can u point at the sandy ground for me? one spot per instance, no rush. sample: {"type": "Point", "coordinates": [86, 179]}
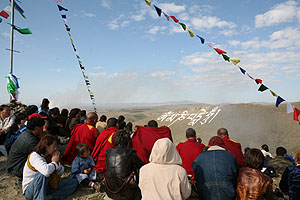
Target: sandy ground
{"type": "Point", "coordinates": [250, 124]}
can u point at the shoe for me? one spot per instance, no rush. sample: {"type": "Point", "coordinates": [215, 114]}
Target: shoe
{"type": "Point", "coordinates": [96, 187]}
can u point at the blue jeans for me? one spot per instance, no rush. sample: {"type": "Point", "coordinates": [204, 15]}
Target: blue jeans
{"type": "Point", "coordinates": [38, 188]}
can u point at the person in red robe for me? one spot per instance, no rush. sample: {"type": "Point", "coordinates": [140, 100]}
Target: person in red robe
{"type": "Point", "coordinates": [81, 133]}
{"type": "Point", "coordinates": [232, 146]}
{"type": "Point", "coordinates": [104, 142]}
{"type": "Point", "coordinates": [144, 138]}
{"type": "Point", "coordinates": [189, 150]}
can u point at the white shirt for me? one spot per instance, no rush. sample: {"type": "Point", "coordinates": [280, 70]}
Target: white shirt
{"type": "Point", "coordinates": [7, 122]}
{"type": "Point", "coordinates": [40, 164]}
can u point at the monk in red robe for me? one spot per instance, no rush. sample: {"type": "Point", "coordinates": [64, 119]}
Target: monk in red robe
{"type": "Point", "coordinates": [104, 142]}
{"type": "Point", "coordinates": [232, 146]}
{"type": "Point", "coordinates": [81, 133]}
{"type": "Point", "coordinates": [144, 138]}
{"type": "Point", "coordinates": [189, 150]}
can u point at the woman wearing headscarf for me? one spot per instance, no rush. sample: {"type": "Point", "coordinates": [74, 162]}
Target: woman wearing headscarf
{"type": "Point", "coordinates": [215, 172]}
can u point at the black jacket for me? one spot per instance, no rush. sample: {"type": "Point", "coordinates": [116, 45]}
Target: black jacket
{"type": "Point", "coordinates": [19, 152]}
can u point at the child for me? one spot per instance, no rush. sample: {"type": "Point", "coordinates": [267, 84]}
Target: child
{"type": "Point", "coordinates": [83, 167]}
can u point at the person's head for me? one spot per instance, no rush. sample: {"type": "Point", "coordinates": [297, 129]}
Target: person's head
{"type": "Point", "coordinates": [199, 140]}
{"type": "Point", "coordinates": [254, 159]}
{"type": "Point", "coordinates": [222, 132]}
{"type": "Point", "coordinates": [103, 118]}
{"type": "Point", "coordinates": [92, 118]}
{"type": "Point", "coordinates": [265, 147]}
{"type": "Point", "coordinates": [5, 111]}
{"type": "Point", "coordinates": [128, 127]}
{"type": "Point", "coordinates": [54, 112]}
{"type": "Point", "coordinates": [45, 104]}
{"type": "Point", "coordinates": [36, 125]}
{"type": "Point", "coordinates": [216, 141]}
{"type": "Point", "coordinates": [122, 138]}
{"type": "Point", "coordinates": [83, 150]}
{"type": "Point", "coordinates": [21, 118]}
{"type": "Point", "coordinates": [190, 133]}
{"type": "Point", "coordinates": [121, 118]}
{"type": "Point", "coordinates": [152, 123]}
{"type": "Point", "coordinates": [74, 112]}
{"type": "Point", "coordinates": [64, 112]}
{"type": "Point", "coordinates": [246, 149]}
{"type": "Point", "coordinates": [297, 156]}
{"type": "Point", "coordinates": [281, 151]}
{"type": "Point", "coordinates": [112, 122]}
{"type": "Point", "coordinates": [82, 113]}
{"type": "Point", "coordinates": [31, 109]}
{"type": "Point", "coordinates": [47, 145]}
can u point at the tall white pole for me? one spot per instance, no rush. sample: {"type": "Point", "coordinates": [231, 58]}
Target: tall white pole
{"type": "Point", "coordinates": [12, 35]}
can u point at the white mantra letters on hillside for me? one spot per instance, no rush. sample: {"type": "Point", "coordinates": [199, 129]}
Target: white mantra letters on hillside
{"type": "Point", "coordinates": [203, 116]}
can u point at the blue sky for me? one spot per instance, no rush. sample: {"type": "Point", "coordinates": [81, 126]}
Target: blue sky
{"type": "Point", "coordinates": [132, 55]}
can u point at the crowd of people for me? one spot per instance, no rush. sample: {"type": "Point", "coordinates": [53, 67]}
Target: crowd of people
{"type": "Point", "coordinates": [140, 162]}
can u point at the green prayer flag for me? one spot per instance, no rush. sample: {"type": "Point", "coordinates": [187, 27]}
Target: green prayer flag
{"type": "Point", "coordinates": [68, 29]}
{"type": "Point", "coordinates": [23, 30]}
{"type": "Point", "coordinates": [262, 88]}
{"type": "Point", "coordinates": [11, 87]}
{"type": "Point", "coordinates": [182, 25]}
{"type": "Point", "coordinates": [226, 58]}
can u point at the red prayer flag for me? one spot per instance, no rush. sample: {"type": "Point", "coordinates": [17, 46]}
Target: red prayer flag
{"type": "Point", "coordinates": [174, 18]}
{"type": "Point", "coordinates": [296, 114]}
{"type": "Point", "coordinates": [258, 81]}
{"type": "Point", "coordinates": [219, 51]}
{"type": "Point", "coordinates": [4, 14]}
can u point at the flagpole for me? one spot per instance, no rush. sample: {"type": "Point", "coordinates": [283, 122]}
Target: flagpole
{"type": "Point", "coordinates": [12, 38]}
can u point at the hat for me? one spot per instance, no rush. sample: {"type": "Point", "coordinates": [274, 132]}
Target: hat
{"type": "Point", "coordinates": [37, 115]}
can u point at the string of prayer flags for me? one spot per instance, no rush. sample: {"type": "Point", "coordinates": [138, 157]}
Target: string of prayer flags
{"type": "Point", "coordinates": [235, 61]}
{"type": "Point", "coordinates": [148, 2]}
{"type": "Point", "coordinates": [86, 78]}
{"type": "Point", "coordinates": [296, 114]}
{"type": "Point", "coordinates": [279, 100]}
{"type": "Point", "coordinates": [210, 44]}
{"type": "Point", "coordinates": [289, 108]}
{"type": "Point", "coordinates": [262, 88]}
{"type": "Point", "coordinates": [174, 18]}
{"type": "Point", "coordinates": [4, 14]}
{"type": "Point", "coordinates": [182, 25]}
{"type": "Point", "coordinates": [201, 39]}
{"type": "Point", "coordinates": [24, 31]}
{"type": "Point", "coordinates": [0, 20]}
{"type": "Point", "coordinates": [226, 58]}
{"type": "Point", "coordinates": [158, 10]}
{"type": "Point", "coordinates": [191, 32]}
{"type": "Point", "coordinates": [219, 51]}
{"type": "Point", "coordinates": [250, 76]}
{"type": "Point", "coordinates": [7, 9]}
{"type": "Point", "coordinates": [273, 93]}
{"type": "Point", "coordinates": [258, 81]}
{"type": "Point", "coordinates": [19, 9]}
{"type": "Point", "coordinates": [166, 15]}
{"type": "Point", "coordinates": [242, 70]}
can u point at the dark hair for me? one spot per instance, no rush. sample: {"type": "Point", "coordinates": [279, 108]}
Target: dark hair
{"type": "Point", "coordinates": [45, 103]}
{"type": "Point", "coordinates": [54, 111]}
{"type": "Point", "coordinates": [35, 122]}
{"type": "Point", "coordinates": [128, 127]}
{"type": "Point", "coordinates": [64, 112]}
{"type": "Point", "coordinates": [280, 151]}
{"type": "Point", "coordinates": [112, 122]}
{"type": "Point", "coordinates": [265, 147]}
{"type": "Point", "coordinates": [31, 109]}
{"type": "Point", "coordinates": [121, 118]}
{"type": "Point", "coordinates": [223, 132]}
{"type": "Point", "coordinates": [74, 112]}
{"type": "Point", "coordinates": [20, 116]}
{"type": "Point", "coordinates": [3, 106]}
{"type": "Point", "coordinates": [254, 159]}
{"type": "Point", "coordinates": [152, 123]}
{"type": "Point", "coordinates": [122, 138]}
{"type": "Point", "coordinates": [45, 141]}
{"type": "Point", "coordinates": [190, 132]}
{"type": "Point", "coordinates": [246, 149]}
{"type": "Point", "coordinates": [81, 148]}
{"type": "Point", "coordinates": [103, 118]}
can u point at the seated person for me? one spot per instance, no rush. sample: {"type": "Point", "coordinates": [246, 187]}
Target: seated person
{"type": "Point", "coordinates": [121, 163]}
{"type": "Point", "coordinates": [41, 164]}
{"type": "Point", "coordinates": [279, 163]}
{"type": "Point", "coordinates": [83, 167]}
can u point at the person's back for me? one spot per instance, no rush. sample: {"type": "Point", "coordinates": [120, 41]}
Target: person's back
{"type": "Point", "coordinates": [215, 170]}
{"type": "Point", "coordinates": [279, 163]}
{"type": "Point", "coordinates": [164, 178]}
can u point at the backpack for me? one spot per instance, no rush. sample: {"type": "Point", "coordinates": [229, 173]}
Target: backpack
{"type": "Point", "coordinates": [13, 138]}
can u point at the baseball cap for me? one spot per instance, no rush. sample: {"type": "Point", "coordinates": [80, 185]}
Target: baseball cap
{"type": "Point", "coordinates": [37, 115]}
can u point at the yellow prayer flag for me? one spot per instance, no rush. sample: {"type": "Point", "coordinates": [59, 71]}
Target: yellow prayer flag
{"type": "Point", "coordinates": [86, 77]}
{"type": "Point", "coordinates": [273, 93]}
{"type": "Point", "coordinates": [71, 40]}
{"type": "Point", "coordinates": [91, 93]}
{"type": "Point", "coordinates": [191, 32]}
{"type": "Point", "coordinates": [235, 60]}
{"type": "Point", "coordinates": [79, 61]}
{"type": "Point", "coordinates": [69, 34]}
{"type": "Point", "coordinates": [148, 2]}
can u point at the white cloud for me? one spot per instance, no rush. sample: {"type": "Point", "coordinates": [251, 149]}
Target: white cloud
{"type": "Point", "coordinates": [123, 75]}
{"type": "Point", "coordinates": [197, 58]}
{"type": "Point", "coordinates": [162, 74]}
{"type": "Point", "coordinates": [284, 12]}
{"type": "Point", "coordinates": [201, 9]}
{"type": "Point", "coordinates": [172, 8]}
{"type": "Point", "coordinates": [58, 70]}
{"type": "Point", "coordinates": [98, 67]}
{"type": "Point", "coordinates": [115, 24]}
{"type": "Point", "coordinates": [153, 30]}
{"type": "Point", "coordinates": [105, 3]}
{"type": "Point", "coordinates": [139, 17]}
{"type": "Point", "coordinates": [90, 14]}
{"type": "Point", "coordinates": [208, 22]}
{"type": "Point", "coordinates": [101, 74]}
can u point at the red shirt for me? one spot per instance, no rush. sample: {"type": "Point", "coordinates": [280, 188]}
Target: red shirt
{"type": "Point", "coordinates": [188, 152]}
{"type": "Point", "coordinates": [236, 149]}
